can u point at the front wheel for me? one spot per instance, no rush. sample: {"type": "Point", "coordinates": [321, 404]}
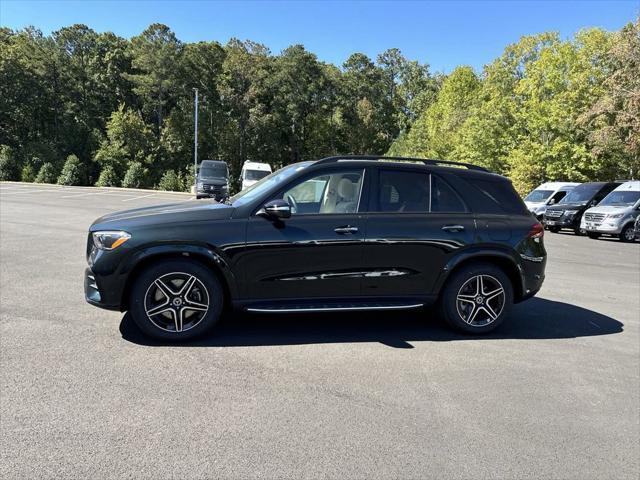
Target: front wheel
{"type": "Point", "coordinates": [176, 300]}
{"type": "Point", "coordinates": [627, 234]}
{"type": "Point", "coordinates": [554, 229]}
{"type": "Point", "coordinates": [477, 298]}
{"type": "Point", "coordinates": [593, 235]}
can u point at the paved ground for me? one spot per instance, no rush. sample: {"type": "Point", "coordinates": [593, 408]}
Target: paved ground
{"type": "Point", "coordinates": [555, 393]}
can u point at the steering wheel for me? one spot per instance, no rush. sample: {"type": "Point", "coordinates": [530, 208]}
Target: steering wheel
{"type": "Point", "coordinates": [292, 202]}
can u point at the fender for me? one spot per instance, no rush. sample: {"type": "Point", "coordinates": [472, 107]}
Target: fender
{"type": "Point", "coordinates": [198, 251]}
{"type": "Point", "coordinates": [482, 252]}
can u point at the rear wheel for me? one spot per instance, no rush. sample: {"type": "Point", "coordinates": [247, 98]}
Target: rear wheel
{"type": "Point", "coordinates": [176, 300]}
{"type": "Point", "coordinates": [627, 234]}
{"type": "Point", "coordinates": [593, 235]}
{"type": "Point", "coordinates": [477, 298]}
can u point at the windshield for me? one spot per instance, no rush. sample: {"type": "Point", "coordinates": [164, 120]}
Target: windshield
{"type": "Point", "coordinates": [268, 183]}
{"type": "Point", "coordinates": [621, 198]}
{"type": "Point", "coordinates": [215, 170]}
{"type": "Point", "coordinates": [582, 193]}
{"type": "Point", "coordinates": [538, 196]}
{"type": "Point", "coordinates": [255, 174]}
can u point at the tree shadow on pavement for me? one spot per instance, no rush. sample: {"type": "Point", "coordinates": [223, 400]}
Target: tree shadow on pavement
{"type": "Point", "coordinates": [536, 318]}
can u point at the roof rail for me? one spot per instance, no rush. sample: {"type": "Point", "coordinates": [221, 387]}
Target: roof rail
{"type": "Point", "coordinates": [426, 161]}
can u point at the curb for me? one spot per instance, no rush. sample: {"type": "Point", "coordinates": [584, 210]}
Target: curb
{"type": "Point", "coordinates": [115, 189]}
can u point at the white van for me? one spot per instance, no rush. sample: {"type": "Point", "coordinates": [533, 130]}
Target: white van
{"type": "Point", "coordinates": [547, 194]}
{"type": "Point", "coordinates": [252, 172]}
{"type": "Point", "coordinates": [615, 214]}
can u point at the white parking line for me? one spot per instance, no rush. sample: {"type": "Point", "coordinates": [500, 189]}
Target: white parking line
{"type": "Point", "coordinates": [137, 198]}
{"type": "Point", "coordinates": [27, 190]}
{"type": "Point", "coordinates": [85, 194]}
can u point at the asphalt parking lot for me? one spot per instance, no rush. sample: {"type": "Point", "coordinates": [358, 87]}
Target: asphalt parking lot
{"type": "Point", "coordinates": [554, 393]}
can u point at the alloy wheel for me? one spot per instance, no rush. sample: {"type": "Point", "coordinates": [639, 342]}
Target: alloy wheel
{"type": "Point", "coordinates": [176, 302]}
{"type": "Point", "coordinates": [480, 300]}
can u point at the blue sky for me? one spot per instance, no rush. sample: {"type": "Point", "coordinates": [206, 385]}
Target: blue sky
{"type": "Point", "coordinates": [443, 34]}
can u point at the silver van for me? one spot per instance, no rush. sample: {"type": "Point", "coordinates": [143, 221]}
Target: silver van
{"type": "Point", "coordinates": [615, 214]}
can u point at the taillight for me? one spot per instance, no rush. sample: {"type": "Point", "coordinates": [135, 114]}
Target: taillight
{"type": "Point", "coordinates": [537, 231]}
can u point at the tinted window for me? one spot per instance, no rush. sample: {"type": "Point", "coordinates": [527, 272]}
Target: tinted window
{"type": "Point", "coordinates": [494, 196]}
{"type": "Point", "coordinates": [213, 170]}
{"type": "Point", "coordinates": [582, 193]}
{"type": "Point", "coordinates": [444, 198]}
{"type": "Point", "coordinates": [400, 191]}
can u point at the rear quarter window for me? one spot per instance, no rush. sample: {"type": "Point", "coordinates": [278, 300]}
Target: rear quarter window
{"type": "Point", "coordinates": [494, 196]}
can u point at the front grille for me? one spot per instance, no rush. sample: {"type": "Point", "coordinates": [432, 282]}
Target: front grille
{"type": "Point", "coordinates": [594, 217]}
{"type": "Point", "coordinates": [553, 213]}
{"type": "Point", "coordinates": [212, 189]}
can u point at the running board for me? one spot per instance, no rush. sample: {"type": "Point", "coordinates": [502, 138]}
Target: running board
{"type": "Point", "coordinates": [333, 307]}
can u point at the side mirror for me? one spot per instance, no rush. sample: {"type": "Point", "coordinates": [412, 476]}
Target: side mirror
{"type": "Point", "coordinates": [277, 209]}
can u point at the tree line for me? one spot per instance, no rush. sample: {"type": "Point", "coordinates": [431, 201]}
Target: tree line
{"type": "Point", "coordinates": [78, 107]}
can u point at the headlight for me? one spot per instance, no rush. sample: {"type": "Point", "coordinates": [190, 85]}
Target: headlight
{"type": "Point", "coordinates": [225, 187]}
{"type": "Point", "coordinates": [570, 212]}
{"type": "Point", "coordinates": [109, 240]}
{"type": "Point", "coordinates": [615, 215]}
{"type": "Point", "coordinates": [199, 185]}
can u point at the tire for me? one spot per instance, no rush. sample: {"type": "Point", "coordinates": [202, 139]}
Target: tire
{"type": "Point", "coordinates": [627, 234]}
{"type": "Point", "coordinates": [554, 229]}
{"type": "Point", "coordinates": [579, 232]}
{"type": "Point", "coordinates": [593, 235]}
{"type": "Point", "coordinates": [470, 314]}
{"type": "Point", "coordinates": [179, 314]}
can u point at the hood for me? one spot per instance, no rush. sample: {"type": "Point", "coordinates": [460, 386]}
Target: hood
{"type": "Point", "coordinates": [172, 213]}
{"type": "Point", "coordinates": [534, 204]}
{"type": "Point", "coordinates": [606, 209]}
{"type": "Point", "coordinates": [567, 206]}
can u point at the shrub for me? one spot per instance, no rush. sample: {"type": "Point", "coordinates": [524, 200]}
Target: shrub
{"type": "Point", "coordinates": [171, 181]}
{"type": "Point", "coordinates": [47, 174]}
{"type": "Point", "coordinates": [72, 172]}
{"type": "Point", "coordinates": [8, 165]}
{"type": "Point", "coordinates": [135, 176]}
{"type": "Point", "coordinates": [28, 173]}
{"type": "Point", "coordinates": [108, 177]}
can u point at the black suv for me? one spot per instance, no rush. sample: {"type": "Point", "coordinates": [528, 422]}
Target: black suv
{"type": "Point", "coordinates": [342, 233]}
{"type": "Point", "coordinates": [568, 212]}
{"type": "Point", "coordinates": [212, 180]}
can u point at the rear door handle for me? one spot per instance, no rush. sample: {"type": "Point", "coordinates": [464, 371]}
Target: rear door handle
{"type": "Point", "coordinates": [346, 230]}
{"type": "Point", "coordinates": [453, 228]}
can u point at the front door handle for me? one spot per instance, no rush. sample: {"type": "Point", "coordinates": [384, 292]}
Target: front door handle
{"type": "Point", "coordinates": [453, 228]}
{"type": "Point", "coordinates": [346, 230]}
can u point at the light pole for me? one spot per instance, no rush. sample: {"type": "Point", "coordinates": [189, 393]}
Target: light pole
{"type": "Point", "coordinates": [195, 144]}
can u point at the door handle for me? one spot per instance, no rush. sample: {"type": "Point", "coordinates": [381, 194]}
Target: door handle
{"type": "Point", "coordinates": [346, 230]}
{"type": "Point", "coordinates": [453, 228]}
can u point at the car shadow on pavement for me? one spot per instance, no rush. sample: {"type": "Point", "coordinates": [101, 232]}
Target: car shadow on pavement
{"type": "Point", "coordinates": [536, 318]}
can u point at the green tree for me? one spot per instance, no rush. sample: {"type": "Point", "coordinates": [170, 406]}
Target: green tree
{"type": "Point", "coordinates": [136, 176]}
{"type": "Point", "coordinates": [47, 174]}
{"type": "Point", "coordinates": [8, 165]}
{"type": "Point", "coordinates": [108, 177]}
{"type": "Point", "coordinates": [435, 132]}
{"type": "Point", "coordinates": [171, 181]}
{"type": "Point", "coordinates": [28, 173]}
{"type": "Point", "coordinates": [155, 55]}
{"type": "Point", "coordinates": [72, 172]}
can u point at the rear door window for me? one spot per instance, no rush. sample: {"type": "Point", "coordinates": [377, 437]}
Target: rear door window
{"type": "Point", "coordinates": [403, 191]}
{"type": "Point", "coordinates": [443, 198]}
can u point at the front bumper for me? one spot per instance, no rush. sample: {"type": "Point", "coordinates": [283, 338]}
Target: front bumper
{"type": "Point", "coordinates": [561, 222]}
{"type": "Point", "coordinates": [94, 295]}
{"type": "Point", "coordinates": [607, 227]}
